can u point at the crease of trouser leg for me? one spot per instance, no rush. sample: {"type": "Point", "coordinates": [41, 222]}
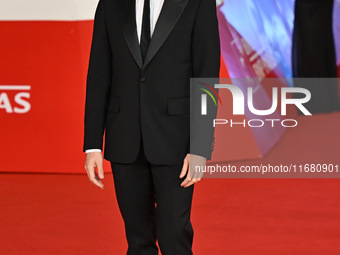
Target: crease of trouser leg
{"type": "Point", "coordinates": [144, 246]}
{"type": "Point", "coordinates": [179, 239]}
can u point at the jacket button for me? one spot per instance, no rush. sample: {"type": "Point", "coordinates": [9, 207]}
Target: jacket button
{"type": "Point", "coordinates": [143, 79]}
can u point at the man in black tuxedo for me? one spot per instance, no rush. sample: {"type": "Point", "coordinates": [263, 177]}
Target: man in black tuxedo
{"type": "Point", "coordinates": [138, 90]}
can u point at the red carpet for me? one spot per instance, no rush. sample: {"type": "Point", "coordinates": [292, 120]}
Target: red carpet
{"type": "Point", "coordinates": [64, 214]}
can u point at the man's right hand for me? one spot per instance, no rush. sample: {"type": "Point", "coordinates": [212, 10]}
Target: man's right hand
{"type": "Point", "coordinates": [95, 160]}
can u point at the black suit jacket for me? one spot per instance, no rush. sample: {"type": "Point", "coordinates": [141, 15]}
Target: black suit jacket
{"type": "Point", "coordinates": [130, 99]}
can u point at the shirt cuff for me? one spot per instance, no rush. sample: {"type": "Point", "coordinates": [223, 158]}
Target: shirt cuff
{"type": "Point", "coordinates": [93, 150]}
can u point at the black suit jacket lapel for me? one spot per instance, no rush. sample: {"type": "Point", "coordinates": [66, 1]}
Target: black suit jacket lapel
{"type": "Point", "coordinates": [127, 16]}
{"type": "Point", "coordinates": [170, 14]}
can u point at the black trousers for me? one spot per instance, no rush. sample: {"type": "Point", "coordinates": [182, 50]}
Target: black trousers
{"type": "Point", "coordinates": [154, 206]}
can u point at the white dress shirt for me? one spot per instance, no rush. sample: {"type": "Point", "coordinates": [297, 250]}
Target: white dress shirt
{"type": "Point", "coordinates": [155, 10]}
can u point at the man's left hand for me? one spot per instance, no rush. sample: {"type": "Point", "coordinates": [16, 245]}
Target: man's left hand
{"type": "Point", "coordinates": [189, 165]}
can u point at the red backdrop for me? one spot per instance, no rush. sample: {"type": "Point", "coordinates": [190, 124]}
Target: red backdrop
{"type": "Point", "coordinates": [51, 57]}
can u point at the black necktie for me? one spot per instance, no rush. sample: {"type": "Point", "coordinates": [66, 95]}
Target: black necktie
{"type": "Point", "coordinates": [146, 34]}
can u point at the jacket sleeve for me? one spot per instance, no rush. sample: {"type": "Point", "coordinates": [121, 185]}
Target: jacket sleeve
{"type": "Point", "coordinates": [206, 42]}
{"type": "Point", "coordinates": [98, 82]}
{"type": "Point", "coordinates": [206, 64]}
